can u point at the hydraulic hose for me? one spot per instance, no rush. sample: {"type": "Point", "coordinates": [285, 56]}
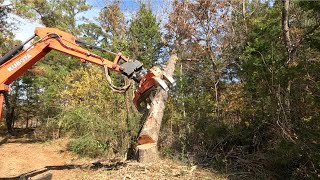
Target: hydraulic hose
{"type": "Point", "coordinates": [14, 51]}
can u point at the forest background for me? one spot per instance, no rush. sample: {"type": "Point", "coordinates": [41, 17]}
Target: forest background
{"type": "Point", "coordinates": [247, 97]}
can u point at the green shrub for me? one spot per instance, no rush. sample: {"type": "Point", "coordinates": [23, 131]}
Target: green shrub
{"type": "Point", "coordinates": [88, 146]}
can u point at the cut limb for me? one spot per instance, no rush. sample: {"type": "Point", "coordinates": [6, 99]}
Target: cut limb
{"type": "Point", "coordinates": [149, 133]}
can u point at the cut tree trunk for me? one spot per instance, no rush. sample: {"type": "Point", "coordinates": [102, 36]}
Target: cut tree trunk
{"type": "Point", "coordinates": [148, 137]}
{"type": "Point", "coordinates": [147, 153]}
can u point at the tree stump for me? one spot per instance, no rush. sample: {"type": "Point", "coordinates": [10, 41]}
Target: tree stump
{"type": "Point", "coordinates": [147, 153]}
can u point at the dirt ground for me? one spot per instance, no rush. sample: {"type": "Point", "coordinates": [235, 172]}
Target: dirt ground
{"type": "Point", "coordinates": [24, 158]}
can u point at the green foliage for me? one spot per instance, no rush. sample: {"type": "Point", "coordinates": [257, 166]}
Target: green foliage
{"type": "Point", "coordinates": [95, 133]}
{"type": "Point", "coordinates": [91, 33]}
{"type": "Point", "coordinates": [88, 146]}
{"type": "Point", "coordinates": [144, 37]}
{"type": "Point", "coordinates": [54, 66]}
{"type": "Point", "coordinates": [58, 14]}
{"type": "Point", "coordinates": [6, 36]}
{"type": "Point", "coordinates": [92, 113]}
{"type": "Point", "coordinates": [266, 122]}
{"type": "Point", "coordinates": [271, 95]}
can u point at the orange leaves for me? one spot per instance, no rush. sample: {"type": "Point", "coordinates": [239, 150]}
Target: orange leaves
{"type": "Point", "coordinates": [232, 98]}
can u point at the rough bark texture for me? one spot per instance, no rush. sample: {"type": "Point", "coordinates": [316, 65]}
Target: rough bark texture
{"type": "Point", "coordinates": [285, 27]}
{"type": "Point", "coordinates": [9, 113]}
{"type": "Point", "coordinates": [150, 130]}
{"type": "Point", "coordinates": [149, 133]}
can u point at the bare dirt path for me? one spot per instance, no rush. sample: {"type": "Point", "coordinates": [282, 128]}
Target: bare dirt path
{"type": "Point", "coordinates": [19, 156]}
{"type": "Point", "coordinates": [23, 157]}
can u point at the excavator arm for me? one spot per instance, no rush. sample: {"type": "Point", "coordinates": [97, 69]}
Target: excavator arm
{"type": "Point", "coordinates": [17, 61]}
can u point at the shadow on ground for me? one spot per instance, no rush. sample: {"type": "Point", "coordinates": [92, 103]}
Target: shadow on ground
{"type": "Point", "coordinates": [17, 132]}
{"type": "Point", "coordinates": [91, 166]}
{"type": "Point", "coordinates": [19, 135]}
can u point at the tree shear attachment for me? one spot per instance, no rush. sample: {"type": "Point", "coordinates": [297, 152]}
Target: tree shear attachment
{"type": "Point", "coordinates": [153, 79]}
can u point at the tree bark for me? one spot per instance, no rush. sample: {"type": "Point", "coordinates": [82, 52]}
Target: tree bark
{"type": "Point", "coordinates": [149, 134]}
{"type": "Point", "coordinates": [244, 14]}
{"type": "Point", "coordinates": [291, 48]}
{"type": "Point", "coordinates": [285, 27]}
{"type": "Point", "coordinates": [11, 104]}
{"type": "Point", "coordinates": [9, 113]}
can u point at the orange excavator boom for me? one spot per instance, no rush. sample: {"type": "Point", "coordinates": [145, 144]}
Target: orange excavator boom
{"type": "Point", "coordinates": [14, 63]}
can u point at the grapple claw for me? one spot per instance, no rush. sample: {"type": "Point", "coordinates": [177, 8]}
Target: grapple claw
{"type": "Point", "coordinates": [161, 83]}
{"type": "Point", "coordinates": [169, 80]}
{"type": "Point", "coordinates": [148, 86]}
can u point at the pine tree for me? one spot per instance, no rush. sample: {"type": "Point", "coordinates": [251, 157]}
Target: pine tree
{"type": "Point", "coordinates": [144, 37]}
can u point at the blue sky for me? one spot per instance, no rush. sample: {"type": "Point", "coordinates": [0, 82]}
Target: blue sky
{"type": "Point", "coordinates": [128, 7]}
